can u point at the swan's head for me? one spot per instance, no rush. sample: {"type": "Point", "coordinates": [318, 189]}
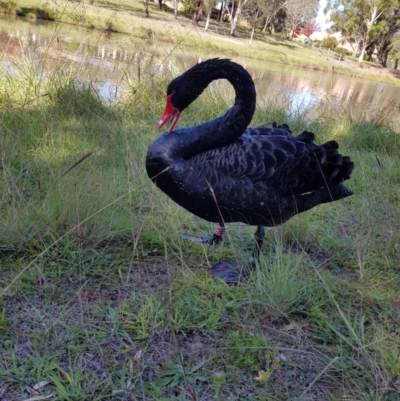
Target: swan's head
{"type": "Point", "coordinates": [181, 92]}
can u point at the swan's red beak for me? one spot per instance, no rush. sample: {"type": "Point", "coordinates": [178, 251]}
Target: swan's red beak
{"type": "Point", "coordinates": [169, 112]}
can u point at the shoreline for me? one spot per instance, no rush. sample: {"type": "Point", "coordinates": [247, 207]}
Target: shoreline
{"type": "Point", "coordinates": [164, 28]}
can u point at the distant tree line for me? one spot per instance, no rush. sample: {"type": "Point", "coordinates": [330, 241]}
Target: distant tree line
{"type": "Point", "coordinates": [285, 16]}
{"type": "Point", "coordinates": [371, 26]}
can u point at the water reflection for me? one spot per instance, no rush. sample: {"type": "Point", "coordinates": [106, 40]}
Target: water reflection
{"type": "Point", "coordinates": [108, 61]}
{"type": "Point", "coordinates": [97, 58]}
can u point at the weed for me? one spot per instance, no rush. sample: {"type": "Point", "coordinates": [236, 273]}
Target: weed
{"type": "Point", "coordinates": [3, 321]}
{"type": "Point", "coordinates": [174, 375]}
{"type": "Point", "coordinates": [246, 348]}
{"type": "Point", "coordinates": [218, 380]}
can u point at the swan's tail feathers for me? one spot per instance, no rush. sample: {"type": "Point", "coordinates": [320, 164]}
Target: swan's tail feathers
{"type": "Point", "coordinates": [306, 136]}
{"type": "Point", "coordinates": [307, 201]}
{"type": "Point", "coordinates": [283, 126]}
{"type": "Point", "coordinates": [339, 192]}
{"type": "Point", "coordinates": [334, 167]}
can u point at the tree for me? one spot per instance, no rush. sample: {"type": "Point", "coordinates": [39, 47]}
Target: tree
{"type": "Point", "coordinates": [362, 21]}
{"type": "Point", "coordinates": [270, 10]}
{"type": "Point", "coordinates": [254, 10]}
{"type": "Point", "coordinates": [383, 39]}
{"type": "Point", "coordinates": [234, 14]}
{"type": "Point", "coordinates": [208, 8]}
{"type": "Point", "coordinates": [198, 11]}
{"type": "Point", "coordinates": [176, 4]}
{"type": "Point", "coordinates": [146, 7]}
{"type": "Point", "coordinates": [310, 27]}
{"type": "Point", "coordinates": [394, 51]}
{"type": "Point", "coordinates": [298, 13]}
{"type": "Point", "coordinates": [262, 10]}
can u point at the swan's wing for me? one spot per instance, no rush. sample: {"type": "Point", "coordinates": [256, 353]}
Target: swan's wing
{"type": "Point", "coordinates": [283, 129]}
{"type": "Point", "coordinates": [274, 130]}
{"type": "Point", "coordinates": [280, 163]}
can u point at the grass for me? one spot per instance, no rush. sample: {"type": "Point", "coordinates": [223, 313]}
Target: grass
{"type": "Point", "coordinates": [100, 298]}
{"type": "Point", "coordinates": [127, 16]}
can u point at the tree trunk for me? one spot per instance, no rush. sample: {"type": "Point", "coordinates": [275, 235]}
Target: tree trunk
{"type": "Point", "coordinates": [253, 26]}
{"type": "Point", "coordinates": [238, 12]}
{"type": "Point", "coordinates": [383, 60]}
{"type": "Point", "coordinates": [293, 26]}
{"type": "Point", "coordinates": [146, 7]}
{"type": "Point", "coordinates": [160, 4]}
{"type": "Point", "coordinates": [265, 25]}
{"type": "Point", "coordinates": [221, 11]}
{"type": "Point", "coordinates": [234, 22]}
{"type": "Point", "coordinates": [374, 17]}
{"type": "Point", "coordinates": [361, 57]}
{"type": "Point", "coordinates": [198, 11]}
{"type": "Point", "coordinates": [396, 63]}
{"type": "Point", "coordinates": [383, 52]}
{"type": "Point", "coordinates": [291, 33]}
{"type": "Point", "coordinates": [358, 48]}
{"type": "Point", "coordinates": [176, 3]}
{"type": "Point", "coordinates": [208, 19]}
{"type": "Point", "coordinates": [251, 35]}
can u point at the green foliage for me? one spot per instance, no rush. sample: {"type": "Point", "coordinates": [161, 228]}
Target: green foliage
{"type": "Point", "coordinates": [201, 304]}
{"type": "Point", "coordinates": [141, 317]}
{"type": "Point", "coordinates": [282, 283]}
{"type": "Point", "coordinates": [394, 52]}
{"type": "Point", "coordinates": [77, 99]}
{"type": "Point", "coordinates": [246, 349]}
{"type": "Point", "coordinates": [174, 375]}
{"type": "Point", "coordinates": [342, 51]}
{"type": "Point", "coordinates": [3, 320]}
{"type": "Point", "coordinates": [45, 12]}
{"type": "Point", "coordinates": [330, 42]}
{"type": "Point", "coordinates": [188, 7]}
{"type": "Point", "coordinates": [9, 7]}
{"type": "Point", "coordinates": [365, 22]}
{"type": "Point", "coordinates": [376, 136]}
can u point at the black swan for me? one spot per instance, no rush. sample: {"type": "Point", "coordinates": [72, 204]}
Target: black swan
{"type": "Point", "coordinates": [224, 172]}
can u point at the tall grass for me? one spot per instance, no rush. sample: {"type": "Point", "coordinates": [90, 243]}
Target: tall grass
{"type": "Point", "coordinates": [100, 298]}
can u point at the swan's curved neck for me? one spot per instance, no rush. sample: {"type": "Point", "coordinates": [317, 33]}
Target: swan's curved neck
{"type": "Point", "coordinates": [229, 127]}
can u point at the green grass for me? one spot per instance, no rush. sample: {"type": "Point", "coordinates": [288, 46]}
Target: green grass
{"type": "Point", "coordinates": [100, 298]}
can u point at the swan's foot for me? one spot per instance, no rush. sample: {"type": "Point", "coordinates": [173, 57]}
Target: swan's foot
{"type": "Point", "coordinates": [215, 240]}
{"type": "Point", "coordinates": [232, 273]}
{"type": "Point", "coordinates": [229, 272]}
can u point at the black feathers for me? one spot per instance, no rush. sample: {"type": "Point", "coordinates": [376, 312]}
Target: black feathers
{"type": "Point", "coordinates": [259, 176]}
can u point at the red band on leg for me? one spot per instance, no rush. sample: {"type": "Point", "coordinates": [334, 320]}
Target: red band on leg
{"type": "Point", "coordinates": [219, 230]}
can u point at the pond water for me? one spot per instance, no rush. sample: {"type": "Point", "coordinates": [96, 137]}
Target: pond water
{"type": "Point", "coordinates": [110, 60]}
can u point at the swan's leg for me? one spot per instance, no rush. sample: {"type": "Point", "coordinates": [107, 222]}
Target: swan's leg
{"type": "Point", "coordinates": [232, 273]}
{"type": "Point", "coordinates": [259, 239]}
{"type": "Point", "coordinates": [215, 239]}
